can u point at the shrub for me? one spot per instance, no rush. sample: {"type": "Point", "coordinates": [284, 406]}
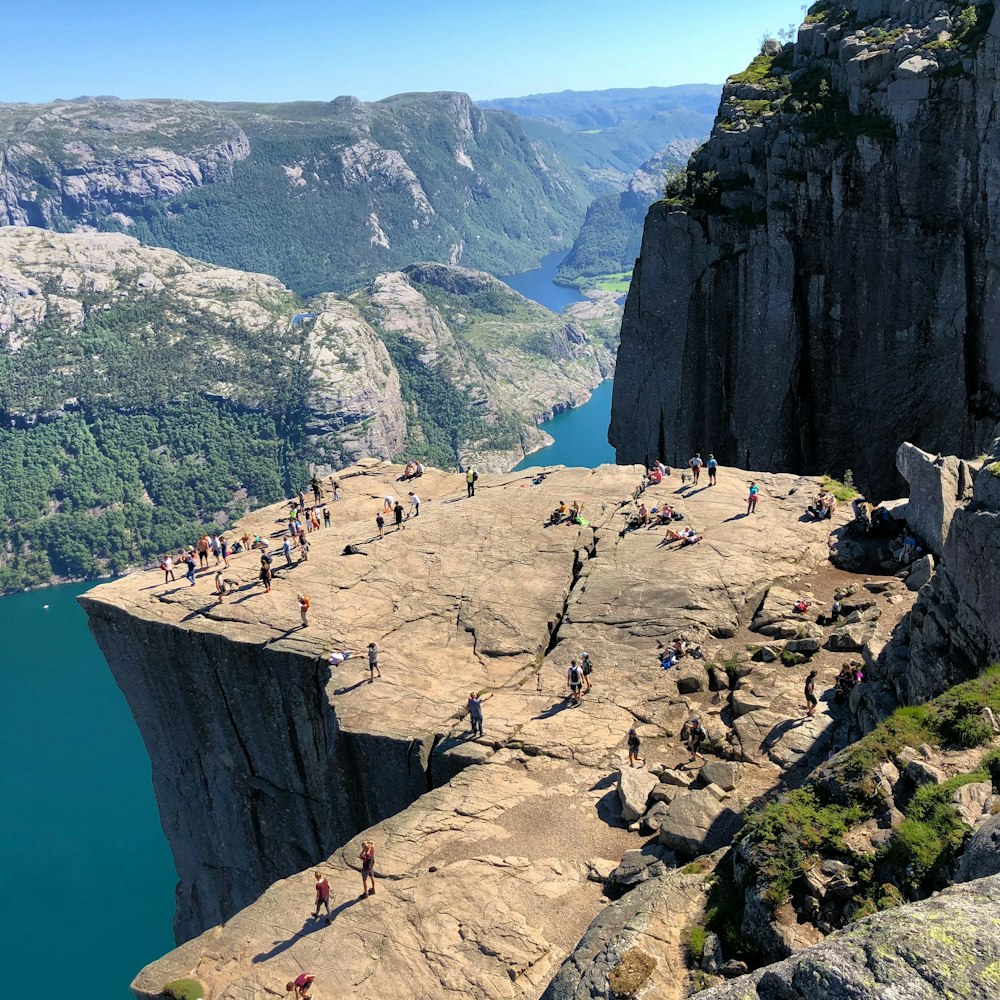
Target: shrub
{"type": "Point", "coordinates": [184, 989]}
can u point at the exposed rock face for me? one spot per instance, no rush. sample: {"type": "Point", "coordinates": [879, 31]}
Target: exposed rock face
{"type": "Point", "coordinates": [953, 629]}
{"type": "Point", "coordinates": [946, 946]}
{"type": "Point", "coordinates": [982, 853]}
{"type": "Point", "coordinates": [473, 594]}
{"type": "Point", "coordinates": [837, 240]}
{"type": "Point", "coordinates": [70, 163]}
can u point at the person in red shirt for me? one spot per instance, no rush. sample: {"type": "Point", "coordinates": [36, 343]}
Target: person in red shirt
{"type": "Point", "coordinates": [301, 985]}
{"type": "Point", "coordinates": [322, 896]}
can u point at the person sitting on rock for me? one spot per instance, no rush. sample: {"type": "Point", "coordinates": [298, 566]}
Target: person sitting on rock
{"type": "Point", "coordinates": [668, 660]}
{"type": "Point", "coordinates": [801, 606]}
{"type": "Point", "coordinates": [844, 683]}
{"type": "Point", "coordinates": [559, 514]}
{"type": "Point", "coordinates": [408, 471]}
{"type": "Point", "coordinates": [829, 505]}
{"type": "Point", "coordinates": [654, 477]}
{"type": "Point", "coordinates": [643, 514]}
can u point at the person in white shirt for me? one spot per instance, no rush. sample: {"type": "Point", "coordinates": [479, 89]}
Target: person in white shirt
{"type": "Point", "coordinates": [414, 505]}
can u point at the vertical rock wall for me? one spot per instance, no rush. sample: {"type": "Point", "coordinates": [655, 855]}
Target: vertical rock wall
{"type": "Point", "coordinates": [827, 285]}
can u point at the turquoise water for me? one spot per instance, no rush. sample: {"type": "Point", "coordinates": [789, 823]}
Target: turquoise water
{"type": "Point", "coordinates": [581, 435]}
{"type": "Point", "coordinates": [537, 284]}
{"type": "Point", "coordinates": [86, 877]}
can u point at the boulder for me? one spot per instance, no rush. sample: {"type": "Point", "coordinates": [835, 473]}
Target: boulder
{"type": "Point", "coordinates": [767, 654]}
{"type": "Point", "coordinates": [970, 800]}
{"type": "Point", "coordinates": [690, 675]}
{"type": "Point", "coordinates": [639, 866]}
{"type": "Point", "coordinates": [920, 572]}
{"type": "Point", "coordinates": [664, 793]}
{"type": "Point", "coordinates": [698, 823]}
{"type": "Point", "coordinates": [677, 777]}
{"type": "Point", "coordinates": [891, 954]}
{"type": "Point", "coordinates": [776, 606]}
{"type": "Point", "coordinates": [982, 853]}
{"type": "Point", "coordinates": [915, 66]}
{"type": "Point", "coordinates": [938, 487]}
{"type": "Point", "coordinates": [804, 646]}
{"type": "Point", "coordinates": [634, 786]}
{"type": "Point", "coordinates": [920, 772]}
{"type": "Point", "coordinates": [653, 817]}
{"type": "Point", "coordinates": [849, 638]}
{"type": "Point", "coordinates": [724, 773]}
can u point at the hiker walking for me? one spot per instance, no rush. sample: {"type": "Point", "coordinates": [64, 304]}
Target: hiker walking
{"type": "Point", "coordinates": [633, 748]}
{"type": "Point", "coordinates": [191, 568]}
{"type": "Point", "coordinates": [588, 668]}
{"type": "Point", "coordinates": [373, 670]}
{"type": "Point", "coordinates": [266, 573]}
{"type": "Point", "coordinates": [696, 464]}
{"type": "Point", "coordinates": [470, 481]}
{"type": "Point", "coordinates": [367, 857]}
{"type": "Point", "coordinates": [810, 693]}
{"type": "Point", "coordinates": [574, 679]}
{"type": "Point", "coordinates": [694, 735]}
{"type": "Point", "coordinates": [322, 897]}
{"type": "Point", "coordinates": [397, 512]}
{"type": "Point", "coordinates": [167, 565]}
{"type": "Point", "coordinates": [380, 524]}
{"type": "Point", "coordinates": [475, 707]}
{"type": "Point", "coordinates": [286, 548]}
{"type": "Point", "coordinates": [713, 467]}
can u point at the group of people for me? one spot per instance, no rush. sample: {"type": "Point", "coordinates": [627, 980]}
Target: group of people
{"type": "Point", "coordinates": [339, 656]}
{"type": "Point", "coordinates": [573, 514]}
{"type": "Point", "coordinates": [823, 506]}
{"type": "Point", "coordinates": [394, 507]}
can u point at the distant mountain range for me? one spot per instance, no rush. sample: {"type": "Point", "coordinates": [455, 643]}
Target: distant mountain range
{"type": "Point", "coordinates": [325, 195]}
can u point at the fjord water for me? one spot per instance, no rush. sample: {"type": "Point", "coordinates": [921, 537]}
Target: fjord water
{"type": "Point", "coordinates": [537, 284]}
{"type": "Point", "coordinates": [86, 877]}
{"type": "Point", "coordinates": [581, 434]}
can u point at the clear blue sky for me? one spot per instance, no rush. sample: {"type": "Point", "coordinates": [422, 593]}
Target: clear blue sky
{"type": "Point", "coordinates": [280, 50]}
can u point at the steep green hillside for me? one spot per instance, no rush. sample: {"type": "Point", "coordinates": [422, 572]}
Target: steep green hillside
{"type": "Point", "coordinates": [144, 395]}
{"type": "Point", "coordinates": [610, 238]}
{"type": "Point", "coordinates": [323, 195]}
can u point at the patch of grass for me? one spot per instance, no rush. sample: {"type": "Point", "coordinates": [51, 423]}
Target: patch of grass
{"type": "Point", "coordinates": [618, 283]}
{"type": "Point", "coordinates": [695, 938]}
{"type": "Point", "coordinates": [631, 973]}
{"type": "Point", "coordinates": [844, 492]}
{"type": "Point", "coordinates": [184, 989]}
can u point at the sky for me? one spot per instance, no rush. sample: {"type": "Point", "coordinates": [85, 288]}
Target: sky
{"type": "Point", "coordinates": [282, 50]}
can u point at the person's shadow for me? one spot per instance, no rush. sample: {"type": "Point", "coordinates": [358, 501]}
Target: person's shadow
{"type": "Point", "coordinates": [311, 925]}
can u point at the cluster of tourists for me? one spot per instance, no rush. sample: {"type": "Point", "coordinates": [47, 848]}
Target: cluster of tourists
{"type": "Point", "coordinates": [573, 514]}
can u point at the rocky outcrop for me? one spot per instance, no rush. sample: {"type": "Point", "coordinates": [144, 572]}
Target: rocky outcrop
{"type": "Point", "coordinates": [946, 946]}
{"type": "Point", "coordinates": [536, 825]}
{"type": "Point", "coordinates": [836, 240]}
{"type": "Point", "coordinates": [72, 163]}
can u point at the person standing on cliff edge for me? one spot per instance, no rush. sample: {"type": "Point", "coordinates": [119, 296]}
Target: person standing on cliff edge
{"type": "Point", "coordinates": [470, 481]}
{"type": "Point", "coordinates": [322, 897]}
{"type": "Point", "coordinates": [475, 707]}
{"type": "Point", "coordinates": [367, 857]}
{"type": "Point", "coordinates": [713, 467]}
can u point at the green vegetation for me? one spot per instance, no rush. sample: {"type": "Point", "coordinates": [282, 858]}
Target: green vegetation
{"type": "Point", "coordinates": [792, 831]}
{"type": "Point", "coordinates": [618, 283]}
{"type": "Point", "coordinates": [184, 989]}
{"type": "Point", "coordinates": [843, 491]}
{"type": "Point", "coordinates": [695, 938]}
{"type": "Point", "coordinates": [765, 71]}
{"type": "Point", "coordinates": [809, 823]}
{"type": "Point", "coordinates": [141, 460]}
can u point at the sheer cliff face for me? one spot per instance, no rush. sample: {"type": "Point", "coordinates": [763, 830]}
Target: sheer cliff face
{"type": "Point", "coordinates": [825, 287]}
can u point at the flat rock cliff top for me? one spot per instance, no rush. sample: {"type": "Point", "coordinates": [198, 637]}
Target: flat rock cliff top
{"type": "Point", "coordinates": [486, 881]}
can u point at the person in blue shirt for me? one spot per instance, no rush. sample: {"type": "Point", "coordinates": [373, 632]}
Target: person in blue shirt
{"type": "Point", "coordinates": [713, 467]}
{"type": "Point", "coordinates": [752, 498]}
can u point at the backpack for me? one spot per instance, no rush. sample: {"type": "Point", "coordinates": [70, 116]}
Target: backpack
{"type": "Point", "coordinates": [587, 666]}
{"type": "Point", "coordinates": [305, 603]}
{"type": "Point", "coordinates": [475, 476]}
{"type": "Point", "coordinates": [574, 675]}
